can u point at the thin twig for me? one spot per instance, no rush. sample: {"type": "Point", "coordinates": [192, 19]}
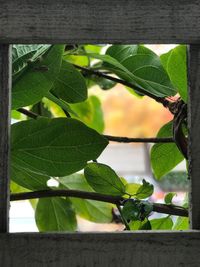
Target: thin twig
{"type": "Point", "coordinates": [117, 200]}
{"type": "Point", "coordinates": [170, 209]}
{"type": "Point", "coordinates": [122, 217]}
{"type": "Point", "coordinates": [161, 100]}
{"type": "Point", "coordinates": [66, 193]}
{"type": "Point", "coordinates": [28, 113]}
{"type": "Point", "coordinates": [119, 139]}
{"type": "Point", "coordinates": [179, 137]}
{"type": "Point", "coordinates": [139, 140]}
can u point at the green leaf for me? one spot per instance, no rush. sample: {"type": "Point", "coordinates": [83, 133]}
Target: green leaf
{"type": "Point", "coordinates": [80, 60]}
{"type": "Point", "coordinates": [41, 109]}
{"type": "Point", "coordinates": [37, 79]}
{"type": "Point", "coordinates": [131, 210]}
{"type": "Point", "coordinates": [142, 68]}
{"type": "Point", "coordinates": [175, 64]}
{"type": "Point", "coordinates": [145, 190]}
{"type": "Point", "coordinates": [103, 83]}
{"type": "Point", "coordinates": [122, 52]}
{"type": "Point", "coordinates": [132, 188]}
{"type": "Point", "coordinates": [75, 181]}
{"type": "Point", "coordinates": [93, 48]}
{"type": "Point", "coordinates": [103, 179]}
{"type": "Point", "coordinates": [54, 147]}
{"type": "Point", "coordinates": [55, 214]}
{"type": "Point", "coordinates": [61, 103]}
{"type": "Point", "coordinates": [181, 223]}
{"type": "Point", "coordinates": [164, 157]}
{"type": "Point", "coordinates": [165, 223]}
{"type": "Point", "coordinates": [27, 179]}
{"type": "Point", "coordinates": [17, 115]}
{"type": "Point", "coordinates": [97, 121]}
{"type": "Point", "coordinates": [169, 197]}
{"type": "Point", "coordinates": [95, 211]}
{"type": "Point", "coordinates": [90, 112]}
{"type": "Point", "coordinates": [22, 54]}
{"type": "Point", "coordinates": [140, 225]}
{"type": "Point", "coordinates": [15, 188]}
{"type": "Point", "coordinates": [135, 210]}
{"type": "Point", "coordinates": [70, 84]}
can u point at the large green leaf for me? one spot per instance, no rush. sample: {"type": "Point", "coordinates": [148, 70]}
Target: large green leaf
{"type": "Point", "coordinates": [165, 223]}
{"type": "Point", "coordinates": [55, 214]}
{"type": "Point", "coordinates": [143, 69]}
{"type": "Point", "coordinates": [175, 64]}
{"type": "Point", "coordinates": [70, 84]}
{"type": "Point", "coordinates": [96, 211]}
{"type": "Point", "coordinates": [37, 79]}
{"type": "Point", "coordinates": [164, 157]}
{"type": "Point", "coordinates": [28, 179]}
{"type": "Point", "coordinates": [15, 188]}
{"type": "Point", "coordinates": [54, 147]}
{"type": "Point", "coordinates": [90, 112]}
{"type": "Point", "coordinates": [145, 65]}
{"type": "Point", "coordinates": [122, 52]}
{"type": "Point", "coordinates": [103, 179]}
{"type": "Point", "coordinates": [22, 54]}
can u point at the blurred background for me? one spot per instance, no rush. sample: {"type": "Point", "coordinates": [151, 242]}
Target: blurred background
{"type": "Point", "coordinates": [124, 115]}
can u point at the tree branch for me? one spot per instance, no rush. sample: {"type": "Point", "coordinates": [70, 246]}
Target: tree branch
{"type": "Point", "coordinates": [161, 100]}
{"type": "Point", "coordinates": [179, 137]}
{"type": "Point", "coordinates": [139, 140]}
{"type": "Point", "coordinates": [28, 113]}
{"type": "Point", "coordinates": [117, 200]}
{"type": "Point", "coordinates": [119, 139]}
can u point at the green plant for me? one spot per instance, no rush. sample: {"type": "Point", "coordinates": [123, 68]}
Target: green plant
{"type": "Point", "coordinates": [60, 132]}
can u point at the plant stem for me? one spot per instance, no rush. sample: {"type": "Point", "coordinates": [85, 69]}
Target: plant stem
{"type": "Point", "coordinates": [122, 217]}
{"type": "Point", "coordinates": [117, 200]}
{"type": "Point", "coordinates": [139, 140]}
{"type": "Point", "coordinates": [161, 100]}
{"type": "Point", "coordinates": [28, 113]}
{"type": "Point", "coordinates": [119, 139]}
{"type": "Point", "coordinates": [65, 107]}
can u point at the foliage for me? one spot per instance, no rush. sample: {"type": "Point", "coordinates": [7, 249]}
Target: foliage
{"type": "Point", "coordinates": [63, 131]}
{"type": "Point", "coordinates": [164, 157]}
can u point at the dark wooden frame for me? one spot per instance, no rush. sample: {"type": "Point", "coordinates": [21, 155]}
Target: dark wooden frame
{"type": "Point", "coordinates": [111, 21]}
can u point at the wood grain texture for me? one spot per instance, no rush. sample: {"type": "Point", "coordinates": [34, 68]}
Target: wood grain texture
{"type": "Point", "coordinates": [5, 88]}
{"type": "Point", "coordinates": [142, 249]}
{"type": "Point", "coordinates": [194, 134]}
{"type": "Point", "coordinates": [105, 21]}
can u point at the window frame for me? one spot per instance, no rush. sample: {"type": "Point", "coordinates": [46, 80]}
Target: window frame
{"type": "Point", "coordinates": [105, 21]}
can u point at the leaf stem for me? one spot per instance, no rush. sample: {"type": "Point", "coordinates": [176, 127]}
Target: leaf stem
{"type": "Point", "coordinates": [66, 108]}
{"type": "Point", "coordinates": [122, 217]}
